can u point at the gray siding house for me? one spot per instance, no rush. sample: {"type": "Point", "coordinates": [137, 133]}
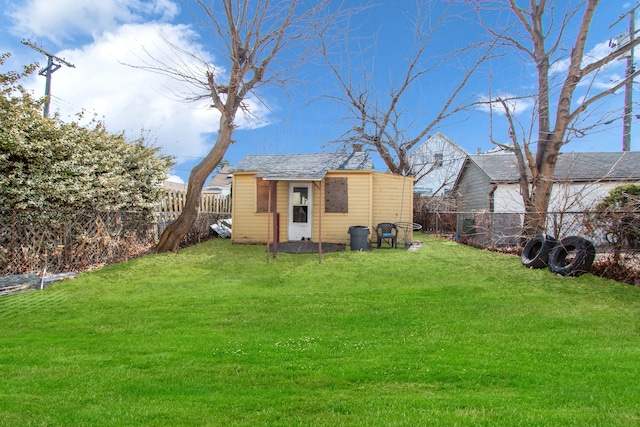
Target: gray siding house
{"type": "Point", "coordinates": [490, 204]}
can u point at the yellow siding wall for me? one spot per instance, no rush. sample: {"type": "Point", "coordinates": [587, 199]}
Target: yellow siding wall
{"type": "Point", "coordinates": [283, 210]}
{"type": "Point", "coordinates": [392, 200]}
{"type": "Point", "coordinates": [373, 198]}
{"type": "Point", "coordinates": [248, 226]}
{"type": "Point", "coordinates": [335, 226]}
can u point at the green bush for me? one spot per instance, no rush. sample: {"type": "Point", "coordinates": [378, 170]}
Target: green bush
{"type": "Point", "coordinates": [617, 217]}
{"type": "Point", "coordinates": [49, 165]}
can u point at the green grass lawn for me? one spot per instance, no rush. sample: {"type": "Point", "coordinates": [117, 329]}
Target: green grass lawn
{"type": "Point", "coordinates": [446, 335]}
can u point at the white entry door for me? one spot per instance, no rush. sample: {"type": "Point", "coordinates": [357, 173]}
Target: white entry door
{"type": "Point", "coordinates": [300, 210]}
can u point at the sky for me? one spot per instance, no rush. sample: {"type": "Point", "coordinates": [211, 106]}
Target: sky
{"type": "Point", "coordinates": [102, 39]}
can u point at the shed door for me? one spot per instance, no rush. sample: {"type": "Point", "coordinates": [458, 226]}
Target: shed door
{"type": "Point", "coordinates": [300, 210]}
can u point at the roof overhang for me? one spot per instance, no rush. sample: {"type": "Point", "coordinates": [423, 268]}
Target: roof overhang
{"type": "Point", "coordinates": [293, 176]}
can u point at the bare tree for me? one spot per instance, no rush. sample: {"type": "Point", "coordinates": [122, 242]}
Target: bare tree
{"type": "Point", "coordinates": [539, 33]}
{"type": "Point", "coordinates": [383, 121]}
{"type": "Point", "coordinates": [254, 39]}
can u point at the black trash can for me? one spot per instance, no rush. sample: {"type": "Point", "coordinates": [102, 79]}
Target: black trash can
{"type": "Point", "coordinates": [359, 237]}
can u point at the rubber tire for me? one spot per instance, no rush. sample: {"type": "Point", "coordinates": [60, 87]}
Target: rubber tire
{"type": "Point", "coordinates": [583, 253]}
{"type": "Point", "coordinates": [535, 253]}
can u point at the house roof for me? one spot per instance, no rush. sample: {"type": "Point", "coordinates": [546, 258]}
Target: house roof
{"type": "Point", "coordinates": [221, 180]}
{"type": "Point", "coordinates": [307, 167]}
{"type": "Point", "coordinates": [612, 166]}
{"type": "Point", "coordinates": [174, 186]}
{"type": "Point", "coordinates": [438, 140]}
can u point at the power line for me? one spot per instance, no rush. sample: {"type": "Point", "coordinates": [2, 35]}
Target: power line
{"type": "Point", "coordinates": [53, 64]}
{"type": "Point", "coordinates": [628, 90]}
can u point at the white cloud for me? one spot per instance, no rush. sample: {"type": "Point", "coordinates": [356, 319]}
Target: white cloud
{"type": "Point", "coordinates": [602, 79]}
{"type": "Point", "coordinates": [111, 33]}
{"type": "Point", "coordinates": [62, 19]}
{"type": "Point", "coordinates": [560, 66]}
{"type": "Point", "coordinates": [516, 105]}
{"type": "Point", "coordinates": [609, 82]}
{"type": "Point", "coordinates": [598, 52]}
{"type": "Point", "coordinates": [130, 99]}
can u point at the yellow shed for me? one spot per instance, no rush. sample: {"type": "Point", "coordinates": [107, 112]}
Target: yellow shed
{"type": "Point", "coordinates": [314, 197]}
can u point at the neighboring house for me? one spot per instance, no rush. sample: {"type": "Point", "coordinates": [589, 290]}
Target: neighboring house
{"type": "Point", "coordinates": [214, 196]}
{"type": "Point", "coordinates": [174, 186]}
{"type": "Point", "coordinates": [488, 183]}
{"type": "Point", "coordinates": [220, 184]}
{"type": "Point", "coordinates": [436, 164]}
{"type": "Point", "coordinates": [314, 197]}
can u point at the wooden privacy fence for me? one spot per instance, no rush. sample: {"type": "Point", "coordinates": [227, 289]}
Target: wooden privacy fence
{"type": "Point", "coordinates": [212, 208]}
{"type": "Point", "coordinates": [174, 201]}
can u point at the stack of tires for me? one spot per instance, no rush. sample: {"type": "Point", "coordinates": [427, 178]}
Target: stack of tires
{"type": "Point", "coordinates": [571, 256]}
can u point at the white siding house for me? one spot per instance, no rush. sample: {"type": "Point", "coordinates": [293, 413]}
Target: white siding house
{"type": "Point", "coordinates": [436, 164]}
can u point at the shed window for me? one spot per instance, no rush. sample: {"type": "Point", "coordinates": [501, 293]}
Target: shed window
{"type": "Point", "coordinates": [262, 195]}
{"type": "Point", "coordinates": [336, 199]}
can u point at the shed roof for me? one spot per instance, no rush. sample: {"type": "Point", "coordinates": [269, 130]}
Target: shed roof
{"type": "Point", "coordinates": [612, 166]}
{"type": "Point", "coordinates": [308, 167]}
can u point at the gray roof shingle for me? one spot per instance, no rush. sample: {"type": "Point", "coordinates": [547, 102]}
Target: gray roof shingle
{"type": "Point", "coordinates": [221, 179]}
{"type": "Point", "coordinates": [570, 166]}
{"type": "Point", "coordinates": [302, 166]}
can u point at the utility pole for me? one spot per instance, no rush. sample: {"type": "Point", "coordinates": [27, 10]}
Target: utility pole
{"type": "Point", "coordinates": [53, 64]}
{"type": "Point", "coordinates": [628, 89]}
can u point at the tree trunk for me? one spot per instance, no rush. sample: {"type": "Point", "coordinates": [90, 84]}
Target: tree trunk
{"type": "Point", "coordinates": [176, 231]}
{"type": "Point", "coordinates": [536, 213]}
{"type": "Point", "coordinates": [535, 217]}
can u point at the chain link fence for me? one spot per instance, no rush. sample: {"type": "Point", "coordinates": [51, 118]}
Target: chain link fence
{"type": "Point", "coordinates": [440, 216]}
{"type": "Point", "coordinates": [504, 229]}
{"type": "Point", "coordinates": [616, 258]}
